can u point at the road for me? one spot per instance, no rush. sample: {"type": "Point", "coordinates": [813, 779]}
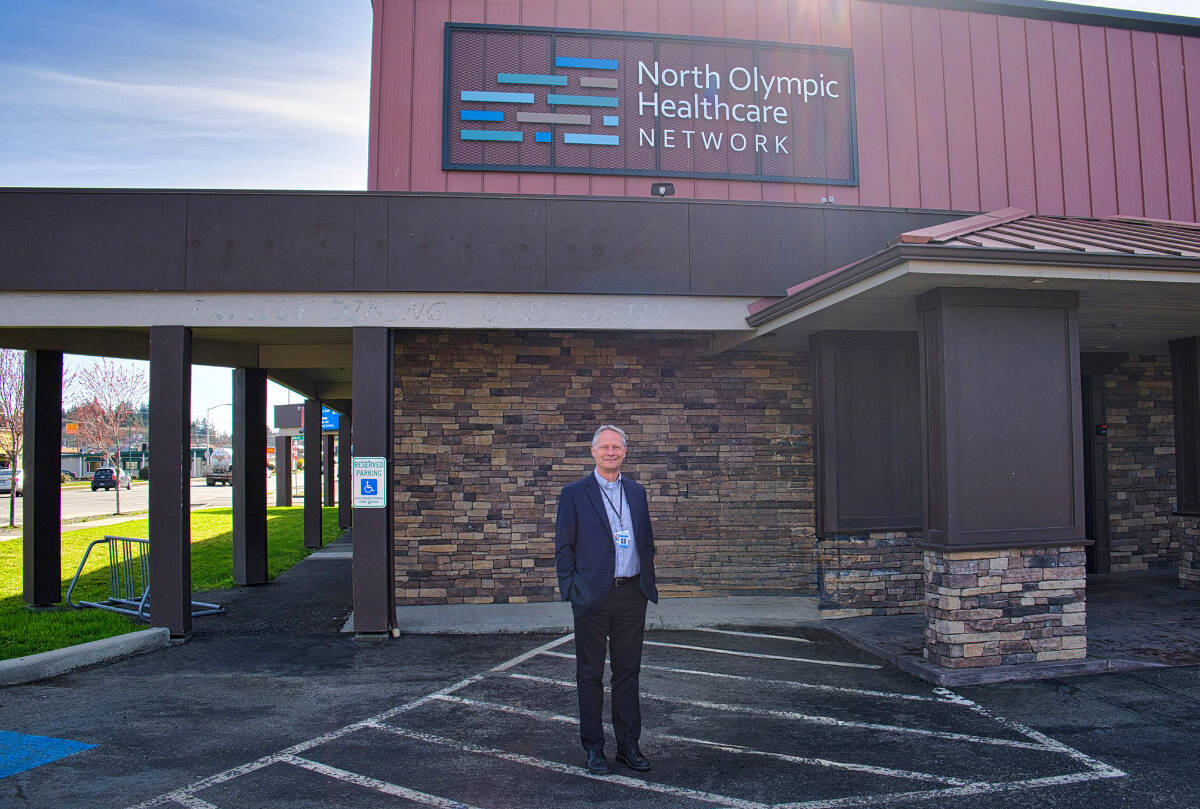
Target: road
{"type": "Point", "coordinates": [81, 502]}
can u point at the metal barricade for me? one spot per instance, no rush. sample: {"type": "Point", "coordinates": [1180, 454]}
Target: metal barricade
{"type": "Point", "coordinates": [128, 579]}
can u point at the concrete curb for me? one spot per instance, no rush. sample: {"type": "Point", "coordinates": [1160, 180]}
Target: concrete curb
{"type": "Point", "coordinates": [49, 664]}
{"type": "Point", "coordinates": [777, 612]}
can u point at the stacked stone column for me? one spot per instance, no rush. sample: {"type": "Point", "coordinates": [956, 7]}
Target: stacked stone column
{"type": "Point", "coordinates": [1185, 531]}
{"type": "Point", "coordinates": [1002, 607]}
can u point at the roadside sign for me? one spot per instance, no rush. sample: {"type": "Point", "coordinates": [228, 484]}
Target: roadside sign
{"type": "Point", "coordinates": [329, 420]}
{"type": "Point", "coordinates": [368, 475]}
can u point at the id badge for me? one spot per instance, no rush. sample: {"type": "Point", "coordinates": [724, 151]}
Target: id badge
{"type": "Point", "coordinates": [622, 537]}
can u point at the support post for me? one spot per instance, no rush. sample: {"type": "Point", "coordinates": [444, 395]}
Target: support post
{"type": "Point", "coordinates": [343, 468]}
{"type": "Point", "coordinates": [249, 476]}
{"type": "Point", "coordinates": [283, 470]}
{"type": "Point", "coordinates": [374, 578]}
{"type": "Point", "coordinates": [41, 509]}
{"type": "Point", "coordinates": [312, 473]}
{"type": "Point", "coordinates": [1003, 477]}
{"type": "Point", "coordinates": [170, 495]}
{"type": "Point", "coordinates": [330, 466]}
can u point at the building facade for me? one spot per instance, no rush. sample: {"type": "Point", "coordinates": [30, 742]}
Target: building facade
{"type": "Point", "coordinates": [897, 301]}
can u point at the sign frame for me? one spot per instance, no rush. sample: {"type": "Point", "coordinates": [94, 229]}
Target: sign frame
{"type": "Point", "coordinates": [364, 470]}
{"type": "Point", "coordinates": [658, 172]}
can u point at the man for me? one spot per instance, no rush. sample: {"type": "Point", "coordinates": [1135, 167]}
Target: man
{"type": "Point", "coordinates": [604, 550]}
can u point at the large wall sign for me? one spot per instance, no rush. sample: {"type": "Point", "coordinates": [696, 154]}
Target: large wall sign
{"type": "Point", "coordinates": [598, 102]}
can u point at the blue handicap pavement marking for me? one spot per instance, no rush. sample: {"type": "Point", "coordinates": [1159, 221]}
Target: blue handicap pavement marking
{"type": "Point", "coordinates": [368, 486]}
{"type": "Point", "coordinates": [20, 751]}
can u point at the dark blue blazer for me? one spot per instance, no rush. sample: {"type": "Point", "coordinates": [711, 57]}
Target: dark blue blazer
{"type": "Point", "coordinates": [583, 542]}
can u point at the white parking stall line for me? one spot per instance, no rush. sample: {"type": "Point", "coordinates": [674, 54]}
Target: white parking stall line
{"type": "Point", "coordinates": [829, 689]}
{"type": "Point", "coordinates": [1047, 742]}
{"type": "Point", "coordinates": [887, 772]}
{"type": "Point", "coordinates": [374, 783]}
{"type": "Point", "coordinates": [817, 719]}
{"type": "Point", "coordinates": [750, 634]}
{"type": "Point", "coordinates": [186, 792]}
{"type": "Point", "coordinates": [762, 656]}
{"type": "Point", "coordinates": [891, 798]}
{"type": "Point", "coordinates": [192, 802]}
{"type": "Point", "coordinates": [572, 769]}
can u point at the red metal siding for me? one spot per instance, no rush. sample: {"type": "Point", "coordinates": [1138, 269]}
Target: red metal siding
{"type": "Point", "coordinates": [989, 112]}
{"type": "Point", "coordinates": [1072, 129]}
{"type": "Point", "coordinates": [960, 111]}
{"type": "Point", "coordinates": [1150, 124]}
{"type": "Point", "coordinates": [1191, 61]}
{"type": "Point", "coordinates": [932, 144]}
{"type": "Point", "coordinates": [1175, 128]}
{"type": "Point", "coordinates": [955, 109]}
{"type": "Point", "coordinates": [1097, 101]}
{"type": "Point", "coordinates": [1043, 102]}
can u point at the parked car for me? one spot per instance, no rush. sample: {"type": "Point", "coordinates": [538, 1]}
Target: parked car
{"type": "Point", "coordinates": [107, 478]}
{"type": "Point", "coordinates": [6, 481]}
{"type": "Point", "coordinates": [67, 474]}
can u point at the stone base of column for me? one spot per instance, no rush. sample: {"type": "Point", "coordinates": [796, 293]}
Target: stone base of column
{"type": "Point", "coordinates": [869, 574]}
{"type": "Point", "coordinates": [1185, 532]}
{"type": "Point", "coordinates": [1005, 607]}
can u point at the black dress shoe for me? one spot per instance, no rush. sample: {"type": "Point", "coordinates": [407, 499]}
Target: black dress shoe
{"type": "Point", "coordinates": [633, 759]}
{"type": "Point", "coordinates": [597, 764]}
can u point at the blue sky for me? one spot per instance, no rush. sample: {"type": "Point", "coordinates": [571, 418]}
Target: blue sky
{"type": "Point", "coordinates": [255, 94]}
{"type": "Point", "coordinates": [186, 94]}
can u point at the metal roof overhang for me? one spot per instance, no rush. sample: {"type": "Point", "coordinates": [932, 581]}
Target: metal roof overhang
{"type": "Point", "coordinates": [1126, 303]}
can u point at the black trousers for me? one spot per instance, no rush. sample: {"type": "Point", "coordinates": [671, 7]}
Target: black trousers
{"type": "Point", "coordinates": [618, 625]}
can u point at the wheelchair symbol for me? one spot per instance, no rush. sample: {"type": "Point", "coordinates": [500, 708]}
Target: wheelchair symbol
{"type": "Point", "coordinates": [368, 487]}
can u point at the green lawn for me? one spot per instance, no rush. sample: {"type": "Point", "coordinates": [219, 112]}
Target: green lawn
{"type": "Point", "coordinates": [24, 631]}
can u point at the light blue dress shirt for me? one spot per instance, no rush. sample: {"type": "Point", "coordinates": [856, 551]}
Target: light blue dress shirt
{"type": "Point", "coordinates": [620, 516]}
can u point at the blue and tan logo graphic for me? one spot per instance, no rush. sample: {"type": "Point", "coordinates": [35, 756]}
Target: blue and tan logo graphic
{"type": "Point", "coordinates": [555, 90]}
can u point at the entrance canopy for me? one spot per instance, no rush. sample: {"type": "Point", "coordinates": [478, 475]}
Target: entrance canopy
{"type": "Point", "coordinates": [1138, 280]}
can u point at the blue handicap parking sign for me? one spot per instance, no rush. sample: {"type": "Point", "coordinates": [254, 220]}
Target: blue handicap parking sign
{"type": "Point", "coordinates": [368, 486]}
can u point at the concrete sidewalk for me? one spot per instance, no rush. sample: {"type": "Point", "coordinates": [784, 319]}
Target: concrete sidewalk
{"type": "Point", "coordinates": [1135, 620]}
{"type": "Point", "coordinates": [670, 613]}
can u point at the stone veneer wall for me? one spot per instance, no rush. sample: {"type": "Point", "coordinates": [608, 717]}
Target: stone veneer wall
{"type": "Point", "coordinates": [1186, 530]}
{"type": "Point", "coordinates": [877, 573]}
{"type": "Point", "coordinates": [996, 607]}
{"type": "Point", "coordinates": [490, 425]}
{"type": "Point", "coordinates": [1141, 464]}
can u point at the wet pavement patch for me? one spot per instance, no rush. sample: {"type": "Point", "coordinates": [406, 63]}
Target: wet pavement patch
{"type": "Point", "coordinates": [20, 751]}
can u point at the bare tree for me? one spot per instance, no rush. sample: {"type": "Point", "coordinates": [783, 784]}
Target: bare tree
{"type": "Point", "coordinates": [12, 418]}
{"type": "Point", "coordinates": [111, 394]}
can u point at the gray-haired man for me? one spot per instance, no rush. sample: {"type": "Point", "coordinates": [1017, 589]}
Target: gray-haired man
{"type": "Point", "coordinates": [604, 550]}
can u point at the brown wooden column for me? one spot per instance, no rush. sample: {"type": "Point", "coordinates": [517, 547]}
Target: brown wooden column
{"type": "Point", "coordinates": [330, 467]}
{"type": "Point", "coordinates": [283, 470]}
{"type": "Point", "coordinates": [41, 508]}
{"type": "Point", "coordinates": [170, 464]}
{"type": "Point", "coordinates": [344, 478]}
{"type": "Point", "coordinates": [374, 578]}
{"type": "Point", "coordinates": [249, 476]}
{"type": "Point", "coordinates": [312, 473]}
{"type": "Point", "coordinates": [1003, 477]}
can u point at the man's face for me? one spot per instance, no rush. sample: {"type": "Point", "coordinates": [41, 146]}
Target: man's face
{"type": "Point", "coordinates": [609, 452]}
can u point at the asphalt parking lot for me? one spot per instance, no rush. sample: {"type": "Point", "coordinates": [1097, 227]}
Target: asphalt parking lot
{"type": "Point", "coordinates": [740, 719]}
{"type": "Point", "coordinates": [270, 705]}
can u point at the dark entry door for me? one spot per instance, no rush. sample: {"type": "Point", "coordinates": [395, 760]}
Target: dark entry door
{"type": "Point", "coordinates": [1095, 473]}
{"type": "Point", "coordinates": [1094, 367]}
